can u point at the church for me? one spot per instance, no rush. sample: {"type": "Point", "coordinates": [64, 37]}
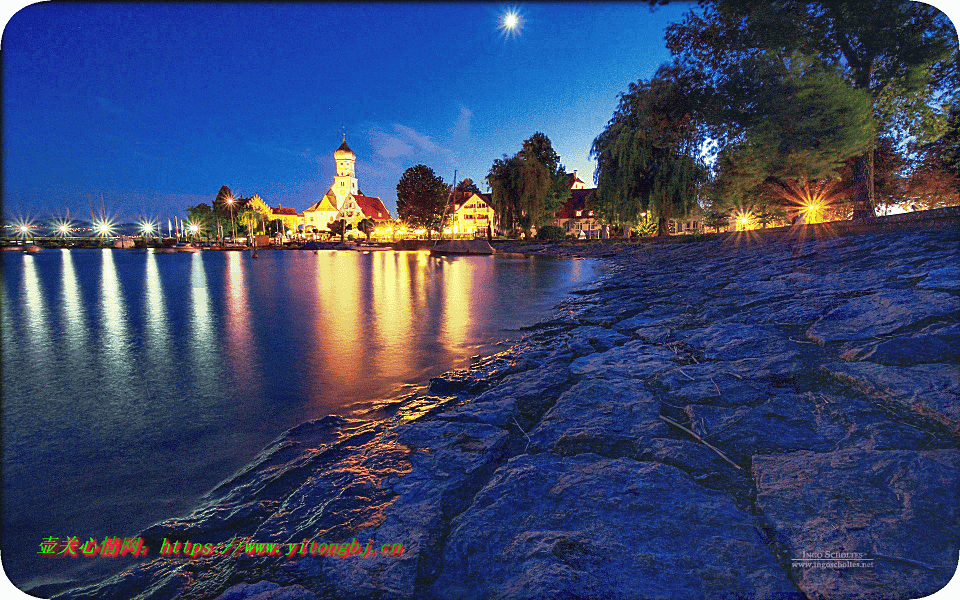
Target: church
{"type": "Point", "coordinates": [343, 200]}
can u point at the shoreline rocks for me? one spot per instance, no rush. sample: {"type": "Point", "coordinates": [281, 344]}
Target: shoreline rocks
{"type": "Point", "coordinates": [692, 425]}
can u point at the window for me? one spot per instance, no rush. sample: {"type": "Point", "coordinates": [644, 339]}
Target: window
{"type": "Point", "coordinates": [579, 213]}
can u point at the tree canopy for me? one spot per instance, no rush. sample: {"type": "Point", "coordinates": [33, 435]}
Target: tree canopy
{"type": "Point", "coordinates": [901, 54]}
{"type": "Point", "coordinates": [422, 198]}
{"type": "Point", "coordinates": [648, 155]}
{"type": "Point", "coordinates": [529, 187]}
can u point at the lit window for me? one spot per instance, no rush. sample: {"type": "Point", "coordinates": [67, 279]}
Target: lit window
{"type": "Point", "coordinates": [579, 213]}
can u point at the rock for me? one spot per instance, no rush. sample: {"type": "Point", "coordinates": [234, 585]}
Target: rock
{"type": "Point", "coordinates": [945, 279]}
{"type": "Point", "coordinates": [266, 590]}
{"type": "Point", "coordinates": [782, 424]}
{"type": "Point", "coordinates": [933, 345]}
{"type": "Point", "coordinates": [732, 341]}
{"type": "Point", "coordinates": [611, 418]}
{"type": "Point", "coordinates": [521, 397]}
{"type": "Point", "coordinates": [590, 527]}
{"type": "Point", "coordinates": [899, 509]}
{"type": "Point", "coordinates": [590, 339]}
{"type": "Point", "coordinates": [448, 463]}
{"type": "Point", "coordinates": [930, 390]}
{"type": "Point", "coordinates": [635, 359]}
{"type": "Point", "coordinates": [881, 313]}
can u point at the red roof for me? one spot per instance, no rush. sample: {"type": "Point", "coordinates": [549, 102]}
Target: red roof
{"type": "Point", "coordinates": [573, 179]}
{"type": "Point", "coordinates": [577, 201]}
{"type": "Point", "coordinates": [283, 211]}
{"type": "Point", "coordinates": [372, 208]}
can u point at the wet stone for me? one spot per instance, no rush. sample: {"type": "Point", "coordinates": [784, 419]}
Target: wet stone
{"type": "Point", "coordinates": [898, 509]}
{"type": "Point", "coordinates": [591, 527]}
{"type": "Point", "coordinates": [930, 390]}
{"type": "Point", "coordinates": [881, 313]}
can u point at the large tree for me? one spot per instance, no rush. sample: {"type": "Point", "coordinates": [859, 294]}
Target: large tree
{"type": "Point", "coordinates": [647, 157]}
{"type": "Point", "coordinates": [467, 186]}
{"type": "Point", "coordinates": [896, 51]}
{"type": "Point", "coordinates": [802, 129]}
{"type": "Point", "coordinates": [422, 198]}
{"type": "Point", "coordinates": [529, 187]}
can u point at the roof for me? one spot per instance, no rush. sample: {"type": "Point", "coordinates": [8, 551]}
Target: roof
{"type": "Point", "coordinates": [372, 208]}
{"type": "Point", "coordinates": [322, 204]}
{"type": "Point", "coordinates": [459, 198]}
{"type": "Point", "coordinates": [577, 201]}
{"type": "Point", "coordinates": [573, 179]}
{"type": "Point", "coordinates": [343, 149]}
{"type": "Point", "coordinates": [283, 211]}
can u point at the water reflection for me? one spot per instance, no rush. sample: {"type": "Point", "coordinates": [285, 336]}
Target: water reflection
{"type": "Point", "coordinates": [202, 343]}
{"type": "Point", "coordinates": [37, 328]}
{"type": "Point", "coordinates": [239, 339]}
{"type": "Point", "coordinates": [156, 326]}
{"type": "Point", "coordinates": [75, 328]}
{"type": "Point", "coordinates": [115, 342]}
{"type": "Point", "coordinates": [457, 291]}
{"type": "Point", "coordinates": [233, 352]}
{"type": "Point", "coordinates": [339, 315]}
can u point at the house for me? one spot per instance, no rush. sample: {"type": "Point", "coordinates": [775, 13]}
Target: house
{"type": "Point", "coordinates": [575, 217]}
{"type": "Point", "coordinates": [469, 214]}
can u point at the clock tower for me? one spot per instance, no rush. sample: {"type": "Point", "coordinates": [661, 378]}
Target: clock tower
{"type": "Point", "coordinates": [345, 182]}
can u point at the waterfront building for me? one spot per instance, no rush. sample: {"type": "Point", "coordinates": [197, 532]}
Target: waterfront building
{"type": "Point", "coordinates": [470, 214]}
{"type": "Point", "coordinates": [343, 200]}
{"type": "Point", "coordinates": [575, 217]}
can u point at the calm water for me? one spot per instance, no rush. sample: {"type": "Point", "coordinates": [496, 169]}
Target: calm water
{"type": "Point", "coordinates": [134, 382]}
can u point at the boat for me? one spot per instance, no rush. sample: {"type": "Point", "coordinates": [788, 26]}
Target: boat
{"type": "Point", "coordinates": [31, 248]}
{"type": "Point", "coordinates": [183, 247]}
{"type": "Point", "coordinates": [124, 243]}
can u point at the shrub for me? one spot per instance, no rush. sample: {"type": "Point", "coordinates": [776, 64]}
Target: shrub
{"type": "Point", "coordinates": [551, 232]}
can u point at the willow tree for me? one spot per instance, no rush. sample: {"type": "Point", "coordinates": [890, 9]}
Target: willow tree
{"type": "Point", "coordinates": [529, 187]}
{"type": "Point", "coordinates": [648, 155]}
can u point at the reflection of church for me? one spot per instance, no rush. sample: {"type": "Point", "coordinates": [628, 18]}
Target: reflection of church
{"type": "Point", "coordinates": [343, 200]}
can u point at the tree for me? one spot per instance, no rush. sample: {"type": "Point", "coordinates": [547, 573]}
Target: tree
{"type": "Point", "coordinates": [802, 130]}
{"type": "Point", "coordinates": [366, 227]}
{"type": "Point", "coordinates": [467, 187]}
{"type": "Point", "coordinates": [338, 227]}
{"type": "Point", "coordinates": [529, 187]}
{"type": "Point", "coordinates": [222, 196]}
{"type": "Point", "coordinates": [895, 51]}
{"type": "Point", "coordinates": [421, 198]}
{"type": "Point", "coordinates": [647, 157]}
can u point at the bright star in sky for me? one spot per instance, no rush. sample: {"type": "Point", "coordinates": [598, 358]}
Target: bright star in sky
{"type": "Point", "coordinates": [511, 23]}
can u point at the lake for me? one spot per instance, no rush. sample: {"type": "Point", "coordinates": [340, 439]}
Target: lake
{"type": "Point", "coordinates": [133, 382]}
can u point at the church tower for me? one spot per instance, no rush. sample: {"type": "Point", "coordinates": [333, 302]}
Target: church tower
{"type": "Point", "coordinates": [345, 182]}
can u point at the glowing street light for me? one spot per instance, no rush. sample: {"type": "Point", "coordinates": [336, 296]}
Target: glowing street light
{"type": "Point", "coordinates": [103, 228]}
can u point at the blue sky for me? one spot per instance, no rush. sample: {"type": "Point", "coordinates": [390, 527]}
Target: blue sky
{"type": "Point", "coordinates": [156, 106]}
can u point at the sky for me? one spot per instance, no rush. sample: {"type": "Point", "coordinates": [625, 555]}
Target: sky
{"type": "Point", "coordinates": [154, 107]}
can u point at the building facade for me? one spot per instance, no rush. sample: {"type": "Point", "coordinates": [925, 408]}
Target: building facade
{"type": "Point", "coordinates": [343, 200]}
{"type": "Point", "coordinates": [470, 214]}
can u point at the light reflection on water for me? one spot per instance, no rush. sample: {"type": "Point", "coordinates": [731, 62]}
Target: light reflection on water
{"type": "Point", "coordinates": [133, 382]}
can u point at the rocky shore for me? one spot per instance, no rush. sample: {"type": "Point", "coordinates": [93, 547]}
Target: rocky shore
{"type": "Point", "coordinates": [695, 424]}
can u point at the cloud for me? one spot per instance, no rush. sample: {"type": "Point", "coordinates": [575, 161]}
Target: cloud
{"type": "Point", "coordinates": [404, 141]}
{"type": "Point", "coordinates": [461, 129]}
